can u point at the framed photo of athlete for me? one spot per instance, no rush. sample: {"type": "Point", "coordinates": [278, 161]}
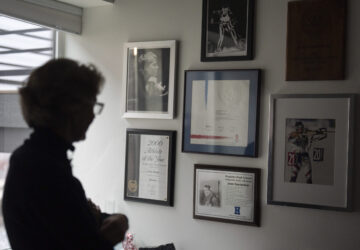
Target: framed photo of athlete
{"type": "Point", "coordinates": [227, 194]}
{"type": "Point", "coordinates": [311, 150]}
{"type": "Point", "coordinates": [221, 112]}
{"type": "Point", "coordinates": [227, 30]}
{"type": "Point", "coordinates": [149, 79]}
{"type": "Point", "coordinates": [150, 166]}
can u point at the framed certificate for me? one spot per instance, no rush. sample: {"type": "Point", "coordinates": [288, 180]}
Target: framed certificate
{"type": "Point", "coordinates": [150, 166]}
{"type": "Point", "coordinates": [221, 112]}
{"type": "Point", "coordinates": [311, 150]}
{"type": "Point", "coordinates": [227, 194]}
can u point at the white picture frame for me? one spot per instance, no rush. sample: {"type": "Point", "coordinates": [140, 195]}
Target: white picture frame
{"type": "Point", "coordinates": [321, 123]}
{"type": "Point", "coordinates": [149, 79]}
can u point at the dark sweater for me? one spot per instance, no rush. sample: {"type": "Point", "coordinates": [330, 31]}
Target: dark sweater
{"type": "Point", "coordinates": [44, 205]}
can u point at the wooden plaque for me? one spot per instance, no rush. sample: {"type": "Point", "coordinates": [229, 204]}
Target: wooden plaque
{"type": "Point", "coordinates": [315, 40]}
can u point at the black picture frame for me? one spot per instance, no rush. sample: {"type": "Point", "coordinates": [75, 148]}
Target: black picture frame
{"type": "Point", "coordinates": [223, 118]}
{"type": "Point", "coordinates": [150, 166]}
{"type": "Point", "coordinates": [227, 30]}
{"type": "Point", "coordinates": [213, 185]}
{"type": "Point", "coordinates": [311, 127]}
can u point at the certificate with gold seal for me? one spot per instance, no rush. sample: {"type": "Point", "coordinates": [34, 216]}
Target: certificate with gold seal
{"type": "Point", "coordinates": [149, 170]}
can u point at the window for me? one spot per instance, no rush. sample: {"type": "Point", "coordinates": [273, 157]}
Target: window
{"type": "Point", "coordinates": [23, 47]}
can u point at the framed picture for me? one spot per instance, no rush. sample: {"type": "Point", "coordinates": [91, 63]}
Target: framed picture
{"type": "Point", "coordinates": [221, 112]}
{"type": "Point", "coordinates": [227, 194]}
{"type": "Point", "coordinates": [149, 79]}
{"type": "Point", "coordinates": [311, 151]}
{"type": "Point", "coordinates": [4, 166]}
{"type": "Point", "coordinates": [311, 40]}
{"type": "Point", "coordinates": [227, 30]}
{"type": "Point", "coordinates": [150, 166]}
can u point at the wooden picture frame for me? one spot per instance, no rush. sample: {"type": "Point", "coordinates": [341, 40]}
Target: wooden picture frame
{"type": "Point", "coordinates": [315, 46]}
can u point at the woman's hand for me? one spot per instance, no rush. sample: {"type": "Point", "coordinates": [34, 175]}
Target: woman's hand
{"type": "Point", "coordinates": [95, 210]}
{"type": "Point", "coordinates": [114, 228]}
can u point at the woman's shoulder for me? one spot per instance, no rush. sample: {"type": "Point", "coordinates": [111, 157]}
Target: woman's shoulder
{"type": "Point", "coordinates": [27, 154]}
{"type": "Point", "coordinates": [29, 163]}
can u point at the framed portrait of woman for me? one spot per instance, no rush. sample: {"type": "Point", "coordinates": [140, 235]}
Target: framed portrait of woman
{"type": "Point", "coordinates": [149, 79]}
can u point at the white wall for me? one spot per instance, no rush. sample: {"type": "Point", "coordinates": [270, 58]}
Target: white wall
{"type": "Point", "coordinates": [99, 162]}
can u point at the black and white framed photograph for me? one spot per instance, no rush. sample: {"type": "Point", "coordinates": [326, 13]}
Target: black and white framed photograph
{"type": "Point", "coordinates": [149, 79]}
{"type": "Point", "coordinates": [311, 150]}
{"type": "Point", "coordinates": [221, 112]}
{"type": "Point", "coordinates": [150, 166]}
{"type": "Point", "coordinates": [227, 30]}
{"type": "Point", "coordinates": [4, 166]}
{"type": "Point", "coordinates": [227, 194]}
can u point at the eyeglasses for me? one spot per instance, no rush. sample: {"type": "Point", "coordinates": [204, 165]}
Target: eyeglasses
{"type": "Point", "coordinates": [98, 108]}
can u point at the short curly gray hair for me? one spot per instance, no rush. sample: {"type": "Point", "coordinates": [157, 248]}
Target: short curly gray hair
{"type": "Point", "coordinates": [55, 89]}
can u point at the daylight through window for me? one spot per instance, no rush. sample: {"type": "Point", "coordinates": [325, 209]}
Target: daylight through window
{"type": "Point", "coordinates": [23, 47]}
